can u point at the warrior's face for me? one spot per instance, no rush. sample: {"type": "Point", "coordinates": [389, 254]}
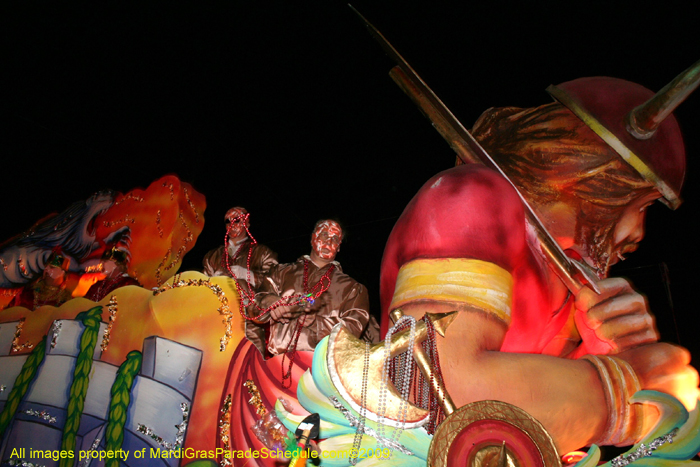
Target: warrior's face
{"type": "Point", "coordinates": [629, 230]}
{"type": "Point", "coordinates": [588, 196]}
{"type": "Point", "coordinates": [326, 240]}
{"type": "Point", "coordinates": [237, 222]}
{"type": "Point", "coordinates": [607, 242]}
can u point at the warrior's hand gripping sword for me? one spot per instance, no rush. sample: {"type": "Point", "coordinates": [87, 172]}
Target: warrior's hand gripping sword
{"type": "Point", "coordinates": [573, 274]}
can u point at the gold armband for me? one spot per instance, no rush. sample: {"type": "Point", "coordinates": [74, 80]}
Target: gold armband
{"type": "Point", "coordinates": [625, 421]}
{"type": "Point", "coordinates": [472, 282]}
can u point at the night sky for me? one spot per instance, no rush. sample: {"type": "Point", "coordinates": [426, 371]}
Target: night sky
{"type": "Point", "coordinates": [286, 108]}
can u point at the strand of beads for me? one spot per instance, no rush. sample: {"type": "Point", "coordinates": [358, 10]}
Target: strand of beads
{"type": "Point", "coordinates": [291, 353]}
{"type": "Point", "coordinates": [420, 392]}
{"type": "Point", "coordinates": [404, 384]}
{"type": "Point", "coordinates": [381, 404]}
{"type": "Point", "coordinates": [367, 430]}
{"type": "Point", "coordinates": [357, 441]}
{"type": "Point", "coordinates": [437, 415]}
{"type": "Point", "coordinates": [309, 295]}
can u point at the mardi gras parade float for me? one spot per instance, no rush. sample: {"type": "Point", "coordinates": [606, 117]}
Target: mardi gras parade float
{"type": "Point", "coordinates": [503, 341]}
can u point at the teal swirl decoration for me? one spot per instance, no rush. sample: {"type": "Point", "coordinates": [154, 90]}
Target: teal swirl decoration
{"type": "Point", "coordinates": [313, 393]}
{"type": "Point", "coordinates": [675, 423]}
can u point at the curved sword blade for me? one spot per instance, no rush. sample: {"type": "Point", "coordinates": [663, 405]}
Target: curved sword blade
{"type": "Point", "coordinates": [574, 276]}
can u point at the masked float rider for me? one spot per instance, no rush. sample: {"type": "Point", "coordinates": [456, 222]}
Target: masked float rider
{"type": "Point", "coordinates": [241, 249]}
{"type": "Point", "coordinates": [463, 244]}
{"type": "Point", "coordinates": [307, 298]}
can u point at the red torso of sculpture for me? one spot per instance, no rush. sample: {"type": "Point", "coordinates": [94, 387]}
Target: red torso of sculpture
{"type": "Point", "coordinates": [472, 212]}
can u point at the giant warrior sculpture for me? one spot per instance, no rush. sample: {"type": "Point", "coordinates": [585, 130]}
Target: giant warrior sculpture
{"type": "Point", "coordinates": [589, 165]}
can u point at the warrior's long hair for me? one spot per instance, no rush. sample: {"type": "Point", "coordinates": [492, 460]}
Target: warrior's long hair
{"type": "Point", "coordinates": [553, 156]}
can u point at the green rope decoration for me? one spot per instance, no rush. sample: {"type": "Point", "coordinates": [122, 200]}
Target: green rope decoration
{"type": "Point", "coordinates": [91, 319]}
{"type": "Point", "coordinates": [121, 396]}
{"type": "Point", "coordinates": [22, 382]}
{"type": "Point", "coordinates": [203, 463]}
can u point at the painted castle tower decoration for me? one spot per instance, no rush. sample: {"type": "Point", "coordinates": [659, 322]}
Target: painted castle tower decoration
{"type": "Point", "coordinates": [61, 397]}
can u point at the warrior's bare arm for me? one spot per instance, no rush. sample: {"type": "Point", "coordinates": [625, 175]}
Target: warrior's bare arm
{"type": "Point", "coordinates": [566, 396]}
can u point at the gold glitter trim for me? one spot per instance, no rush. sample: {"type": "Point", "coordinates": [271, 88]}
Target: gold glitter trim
{"type": "Point", "coordinates": [96, 268]}
{"type": "Point", "coordinates": [128, 197]}
{"type": "Point", "coordinates": [124, 220]}
{"type": "Point", "coordinates": [271, 424]}
{"type": "Point", "coordinates": [159, 280]}
{"type": "Point", "coordinates": [225, 430]}
{"type": "Point", "coordinates": [255, 399]}
{"type": "Point", "coordinates": [172, 192]}
{"type": "Point", "coordinates": [224, 309]}
{"type": "Point", "coordinates": [188, 238]}
{"type": "Point", "coordinates": [160, 229]}
{"type": "Point", "coordinates": [16, 347]}
{"type": "Point", "coordinates": [112, 307]}
{"type": "Point", "coordinates": [189, 201]}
